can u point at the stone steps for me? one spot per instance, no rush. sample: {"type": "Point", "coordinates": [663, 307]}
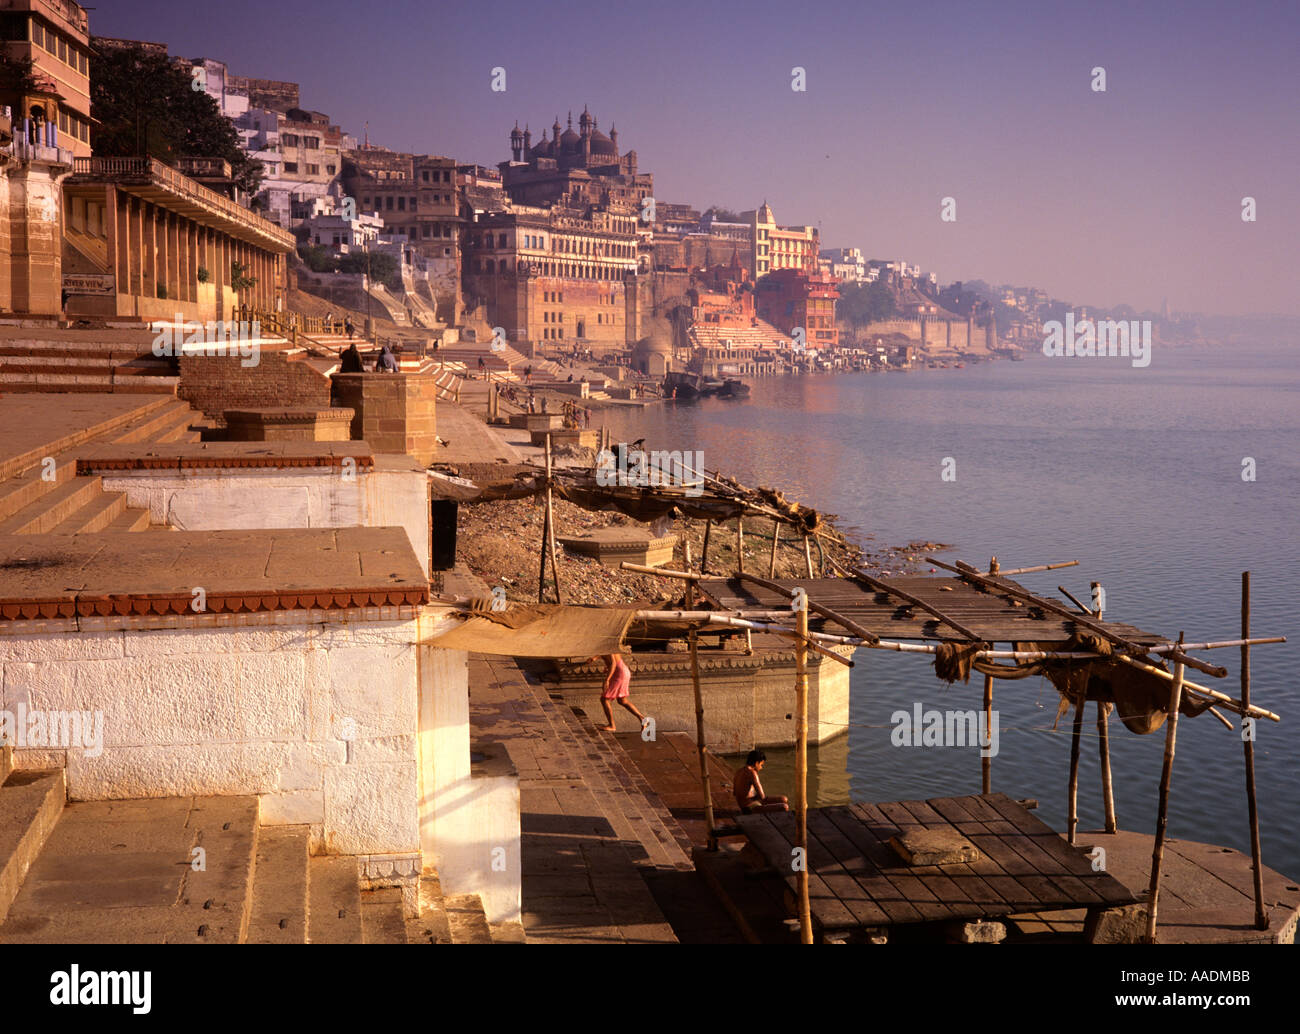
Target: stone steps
{"type": "Point", "coordinates": [627, 801]}
{"type": "Point", "coordinates": [334, 900]}
{"type": "Point", "coordinates": [53, 507]}
{"type": "Point", "coordinates": [68, 504]}
{"type": "Point", "coordinates": [382, 921]}
{"type": "Point", "coordinates": [280, 886]}
{"type": "Point", "coordinates": [30, 805]}
{"type": "Point", "coordinates": [455, 918]}
{"type": "Point", "coordinates": [172, 870]}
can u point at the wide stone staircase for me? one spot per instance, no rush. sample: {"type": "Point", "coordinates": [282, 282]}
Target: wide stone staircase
{"type": "Point", "coordinates": [195, 870]}
{"type": "Point", "coordinates": [108, 358]}
{"type": "Point", "coordinates": [41, 492]}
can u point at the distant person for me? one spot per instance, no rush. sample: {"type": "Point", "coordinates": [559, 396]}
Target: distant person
{"type": "Point", "coordinates": [748, 788]}
{"type": "Point", "coordinates": [351, 360]}
{"type": "Point", "coordinates": [348, 328]}
{"type": "Point", "coordinates": [617, 679]}
{"type": "Point", "coordinates": [387, 361]}
{"type": "Point", "coordinates": [329, 322]}
{"type": "Point", "coordinates": [528, 375]}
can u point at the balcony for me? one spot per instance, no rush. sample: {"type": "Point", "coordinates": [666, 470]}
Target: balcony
{"type": "Point", "coordinates": [160, 184]}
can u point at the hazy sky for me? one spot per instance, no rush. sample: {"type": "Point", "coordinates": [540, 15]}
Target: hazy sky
{"type": "Point", "coordinates": [1133, 195]}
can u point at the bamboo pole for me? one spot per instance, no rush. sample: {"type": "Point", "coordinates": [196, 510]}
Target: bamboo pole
{"type": "Point", "coordinates": [1103, 746]}
{"type": "Point", "coordinates": [1075, 740]}
{"type": "Point", "coordinates": [1070, 596]}
{"type": "Point", "coordinates": [1256, 863]}
{"type": "Point", "coordinates": [986, 762]}
{"type": "Point", "coordinates": [776, 538]}
{"type": "Point", "coordinates": [1036, 567]}
{"type": "Point", "coordinates": [807, 555]}
{"type": "Point", "coordinates": [550, 525]}
{"type": "Point", "coordinates": [704, 551]}
{"type": "Point", "coordinates": [801, 771]}
{"type": "Point", "coordinates": [1162, 811]}
{"type": "Point", "coordinates": [740, 544]}
{"type": "Point", "coordinates": [1196, 689]}
{"type": "Point", "coordinates": [693, 638]}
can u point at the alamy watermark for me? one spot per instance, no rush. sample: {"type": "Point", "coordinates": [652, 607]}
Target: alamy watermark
{"type": "Point", "coordinates": [214, 338]}
{"type": "Point", "coordinates": [1129, 338]}
{"type": "Point", "coordinates": [655, 469]}
{"type": "Point", "coordinates": [53, 730]}
{"type": "Point", "coordinates": [920, 728]}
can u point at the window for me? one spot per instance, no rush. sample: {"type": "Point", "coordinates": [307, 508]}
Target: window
{"type": "Point", "coordinates": [331, 169]}
{"type": "Point", "coordinates": [388, 202]}
{"type": "Point", "coordinates": [401, 204]}
{"type": "Point", "coordinates": [424, 175]}
{"type": "Point", "coordinates": [313, 170]}
{"type": "Point", "coordinates": [290, 166]}
{"type": "Point", "coordinates": [289, 139]}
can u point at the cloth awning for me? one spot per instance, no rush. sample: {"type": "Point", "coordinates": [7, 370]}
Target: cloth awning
{"type": "Point", "coordinates": [546, 630]}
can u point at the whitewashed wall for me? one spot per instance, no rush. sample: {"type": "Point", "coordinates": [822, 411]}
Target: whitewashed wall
{"type": "Point", "coordinates": [240, 710]}
{"type": "Point", "coordinates": [238, 500]}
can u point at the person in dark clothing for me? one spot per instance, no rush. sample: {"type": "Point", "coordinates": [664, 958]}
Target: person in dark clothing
{"type": "Point", "coordinates": [348, 328]}
{"type": "Point", "coordinates": [351, 360]}
{"type": "Point", "coordinates": [387, 361]}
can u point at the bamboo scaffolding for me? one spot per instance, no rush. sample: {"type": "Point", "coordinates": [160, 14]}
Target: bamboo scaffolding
{"type": "Point", "coordinates": [801, 772]}
{"type": "Point", "coordinates": [968, 572]}
{"type": "Point", "coordinates": [704, 549]}
{"type": "Point", "coordinates": [1248, 742]}
{"type": "Point", "coordinates": [550, 526]}
{"type": "Point", "coordinates": [776, 538]}
{"type": "Point", "coordinates": [1103, 747]}
{"type": "Point", "coordinates": [986, 762]}
{"type": "Point", "coordinates": [807, 555]}
{"type": "Point", "coordinates": [1162, 810]}
{"type": "Point", "coordinates": [693, 638]}
{"type": "Point", "coordinates": [1072, 822]}
{"type": "Point", "coordinates": [740, 544]}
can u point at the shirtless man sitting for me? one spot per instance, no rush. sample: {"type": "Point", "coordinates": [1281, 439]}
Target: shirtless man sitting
{"type": "Point", "coordinates": [749, 789]}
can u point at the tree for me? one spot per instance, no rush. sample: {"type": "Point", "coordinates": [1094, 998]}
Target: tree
{"type": "Point", "coordinates": [17, 77]}
{"type": "Point", "coordinates": [723, 215]}
{"type": "Point", "coordinates": [147, 105]}
{"type": "Point", "coordinates": [861, 304]}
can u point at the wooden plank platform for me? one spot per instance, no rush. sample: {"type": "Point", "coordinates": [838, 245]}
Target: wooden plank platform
{"type": "Point", "coordinates": [994, 616]}
{"type": "Point", "coordinates": [857, 880]}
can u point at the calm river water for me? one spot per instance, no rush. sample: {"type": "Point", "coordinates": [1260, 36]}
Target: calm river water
{"type": "Point", "coordinates": [1135, 473]}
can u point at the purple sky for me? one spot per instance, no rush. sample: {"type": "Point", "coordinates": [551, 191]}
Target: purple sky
{"type": "Point", "coordinates": [1132, 195]}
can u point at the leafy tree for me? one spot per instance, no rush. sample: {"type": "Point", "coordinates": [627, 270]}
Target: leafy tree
{"type": "Point", "coordinates": [861, 304]}
{"type": "Point", "coordinates": [724, 215]}
{"type": "Point", "coordinates": [147, 105]}
{"type": "Point", "coordinates": [17, 76]}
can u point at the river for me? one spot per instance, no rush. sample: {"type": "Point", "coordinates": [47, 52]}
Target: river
{"type": "Point", "coordinates": [1137, 473]}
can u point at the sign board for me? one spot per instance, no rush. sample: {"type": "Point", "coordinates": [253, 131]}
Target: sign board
{"type": "Point", "coordinates": [89, 283]}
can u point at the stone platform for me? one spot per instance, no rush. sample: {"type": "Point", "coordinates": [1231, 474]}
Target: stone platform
{"type": "Point", "coordinates": [615, 545]}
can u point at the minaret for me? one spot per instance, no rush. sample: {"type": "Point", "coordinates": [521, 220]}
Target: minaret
{"type": "Point", "coordinates": [528, 141]}
{"type": "Point", "coordinates": [516, 141]}
{"type": "Point", "coordinates": [613, 136]}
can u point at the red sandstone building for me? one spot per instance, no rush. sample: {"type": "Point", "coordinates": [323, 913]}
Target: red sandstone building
{"type": "Point", "coordinates": [790, 298]}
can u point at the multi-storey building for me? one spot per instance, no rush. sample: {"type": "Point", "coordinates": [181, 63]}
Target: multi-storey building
{"type": "Point", "coordinates": [846, 264]}
{"type": "Point", "coordinates": [780, 247]}
{"type": "Point", "coordinates": [793, 298]}
{"type": "Point", "coordinates": [55, 35]}
{"type": "Point", "coordinates": [416, 196]}
{"type": "Point", "coordinates": [556, 275]}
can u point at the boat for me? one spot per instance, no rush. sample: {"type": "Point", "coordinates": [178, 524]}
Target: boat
{"type": "Point", "coordinates": [681, 384]}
